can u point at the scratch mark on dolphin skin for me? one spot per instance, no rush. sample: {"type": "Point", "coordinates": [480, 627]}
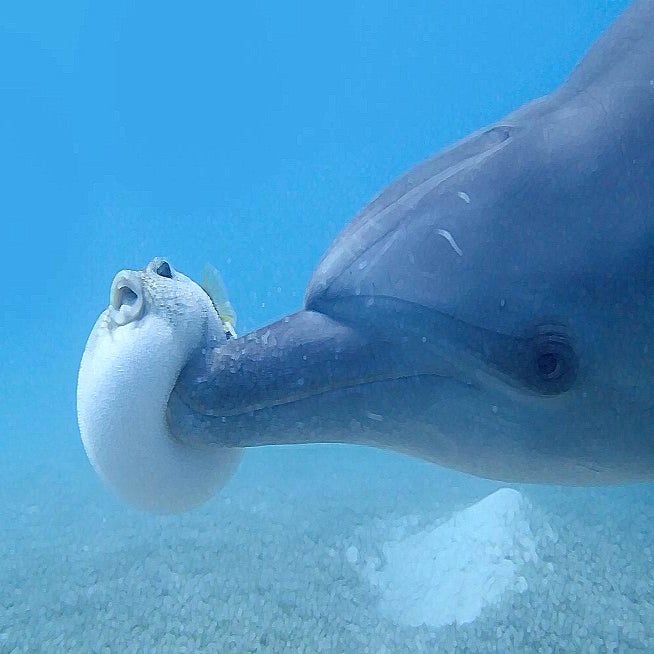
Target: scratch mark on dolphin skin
{"type": "Point", "coordinates": [464, 196]}
{"type": "Point", "coordinates": [448, 237]}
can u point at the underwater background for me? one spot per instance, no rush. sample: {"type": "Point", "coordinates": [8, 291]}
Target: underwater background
{"type": "Point", "coordinates": [248, 135]}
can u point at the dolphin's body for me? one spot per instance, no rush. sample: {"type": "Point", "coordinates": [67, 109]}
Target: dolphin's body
{"type": "Point", "coordinates": [492, 311]}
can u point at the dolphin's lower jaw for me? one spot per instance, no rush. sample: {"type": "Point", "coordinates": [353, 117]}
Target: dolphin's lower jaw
{"type": "Point", "coordinates": [426, 416]}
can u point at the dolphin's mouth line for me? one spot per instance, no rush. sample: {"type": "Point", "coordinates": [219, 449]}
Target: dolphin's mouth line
{"type": "Point", "coordinates": [300, 396]}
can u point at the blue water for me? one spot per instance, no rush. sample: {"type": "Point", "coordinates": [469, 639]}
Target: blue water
{"type": "Point", "coordinates": [242, 134]}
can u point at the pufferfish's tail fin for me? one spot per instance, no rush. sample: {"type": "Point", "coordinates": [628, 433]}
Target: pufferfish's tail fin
{"type": "Point", "coordinates": [214, 286]}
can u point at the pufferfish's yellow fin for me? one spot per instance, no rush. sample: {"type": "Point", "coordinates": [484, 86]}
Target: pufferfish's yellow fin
{"type": "Point", "coordinates": [212, 283]}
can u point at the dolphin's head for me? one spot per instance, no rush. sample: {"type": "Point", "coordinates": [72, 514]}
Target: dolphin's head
{"type": "Point", "coordinates": [524, 256]}
{"type": "Point", "coordinates": [553, 387]}
{"type": "Point", "coordinates": [156, 319]}
{"type": "Point", "coordinates": [490, 310]}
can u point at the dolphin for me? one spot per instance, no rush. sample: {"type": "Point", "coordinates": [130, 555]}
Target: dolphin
{"type": "Point", "coordinates": [491, 311]}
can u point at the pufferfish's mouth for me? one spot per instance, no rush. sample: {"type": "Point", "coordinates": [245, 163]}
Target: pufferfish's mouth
{"type": "Point", "coordinates": [126, 298]}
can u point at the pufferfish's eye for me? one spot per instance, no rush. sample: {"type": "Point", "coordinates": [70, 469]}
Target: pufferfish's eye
{"type": "Point", "coordinates": [554, 363]}
{"type": "Point", "coordinates": [163, 270]}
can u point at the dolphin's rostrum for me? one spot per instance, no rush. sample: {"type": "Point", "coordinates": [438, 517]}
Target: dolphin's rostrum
{"type": "Point", "coordinates": [491, 311]}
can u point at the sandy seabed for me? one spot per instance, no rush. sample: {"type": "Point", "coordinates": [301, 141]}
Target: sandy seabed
{"type": "Point", "coordinates": [280, 561]}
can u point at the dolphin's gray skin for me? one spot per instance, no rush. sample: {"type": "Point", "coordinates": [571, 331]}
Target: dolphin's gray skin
{"type": "Point", "coordinates": [492, 311]}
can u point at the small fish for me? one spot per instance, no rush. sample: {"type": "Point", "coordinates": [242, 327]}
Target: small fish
{"type": "Point", "coordinates": [214, 286]}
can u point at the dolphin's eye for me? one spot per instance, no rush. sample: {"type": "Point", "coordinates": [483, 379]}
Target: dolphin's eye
{"type": "Point", "coordinates": [163, 270]}
{"type": "Point", "coordinates": [549, 365]}
{"type": "Point", "coordinates": [554, 363]}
